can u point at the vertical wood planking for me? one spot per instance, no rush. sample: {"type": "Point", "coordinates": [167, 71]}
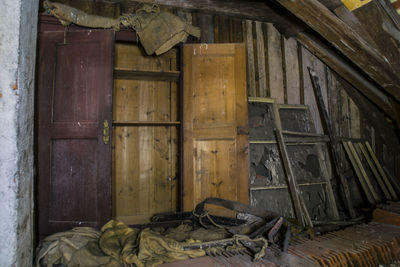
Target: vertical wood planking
{"type": "Point", "coordinates": [310, 60]}
{"type": "Point", "coordinates": [174, 143]}
{"type": "Point", "coordinates": [344, 114]}
{"type": "Point", "coordinates": [206, 24]}
{"type": "Point", "coordinates": [221, 29]}
{"type": "Point", "coordinates": [262, 79]}
{"type": "Point", "coordinates": [256, 64]}
{"type": "Point", "coordinates": [335, 113]}
{"type": "Point", "coordinates": [251, 77]}
{"type": "Point", "coordinates": [333, 94]}
{"type": "Point", "coordinates": [301, 74]}
{"type": "Point", "coordinates": [215, 104]}
{"type": "Point", "coordinates": [354, 120]}
{"type": "Point", "coordinates": [236, 30]}
{"type": "Point", "coordinates": [275, 64]}
{"type": "Point", "coordinates": [291, 70]}
{"type": "Point", "coordinates": [265, 35]}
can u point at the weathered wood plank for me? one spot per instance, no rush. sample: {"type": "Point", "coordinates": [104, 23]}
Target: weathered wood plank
{"type": "Point", "coordinates": [236, 30]}
{"type": "Point", "coordinates": [351, 44]}
{"type": "Point", "coordinates": [331, 4]}
{"type": "Point", "coordinates": [292, 71]}
{"type": "Point", "coordinates": [391, 12]}
{"type": "Point", "coordinates": [310, 61]}
{"type": "Point", "coordinates": [336, 114]}
{"type": "Point", "coordinates": [206, 24]}
{"type": "Point", "coordinates": [327, 125]}
{"type": "Point", "coordinates": [256, 66]}
{"type": "Point", "coordinates": [275, 64]}
{"type": "Point", "coordinates": [381, 171]}
{"type": "Point", "coordinates": [301, 214]}
{"type": "Point", "coordinates": [363, 172]}
{"type": "Point", "coordinates": [284, 21]}
{"type": "Point", "coordinates": [374, 171]}
{"type": "Point", "coordinates": [251, 76]}
{"type": "Point", "coordinates": [261, 61]}
{"type": "Point", "coordinates": [340, 66]}
{"type": "Point", "coordinates": [355, 131]}
{"type": "Point", "coordinates": [266, 64]}
{"type": "Point", "coordinates": [326, 175]}
{"type": "Point", "coordinates": [385, 35]}
{"type": "Point", "coordinates": [221, 29]}
{"type": "Point", "coordinates": [351, 20]}
{"type": "Point", "coordinates": [358, 173]}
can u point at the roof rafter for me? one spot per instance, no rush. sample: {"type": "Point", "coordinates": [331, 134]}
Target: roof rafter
{"type": "Point", "coordinates": [347, 41]}
{"type": "Point", "coordinates": [284, 21]}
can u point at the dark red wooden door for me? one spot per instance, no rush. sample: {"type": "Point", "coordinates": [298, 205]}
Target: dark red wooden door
{"type": "Point", "coordinates": [74, 102]}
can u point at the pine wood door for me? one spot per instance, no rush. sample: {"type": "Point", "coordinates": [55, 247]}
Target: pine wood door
{"type": "Point", "coordinates": [215, 160]}
{"type": "Point", "coordinates": [74, 101]}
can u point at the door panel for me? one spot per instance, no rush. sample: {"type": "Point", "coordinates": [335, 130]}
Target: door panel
{"type": "Point", "coordinates": [73, 177]}
{"type": "Point", "coordinates": [215, 105]}
{"type": "Point", "coordinates": [74, 100]}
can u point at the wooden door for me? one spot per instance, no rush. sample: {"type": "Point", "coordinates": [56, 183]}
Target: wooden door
{"type": "Point", "coordinates": [74, 107]}
{"type": "Point", "coordinates": [215, 160]}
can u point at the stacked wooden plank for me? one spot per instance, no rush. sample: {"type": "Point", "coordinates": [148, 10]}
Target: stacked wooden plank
{"type": "Point", "coordinates": [374, 181]}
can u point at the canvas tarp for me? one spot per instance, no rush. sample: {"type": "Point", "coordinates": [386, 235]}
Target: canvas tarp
{"type": "Point", "coordinates": [117, 243]}
{"type": "Point", "coordinates": [158, 31]}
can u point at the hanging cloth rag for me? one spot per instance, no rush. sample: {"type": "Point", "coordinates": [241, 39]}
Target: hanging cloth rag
{"type": "Point", "coordinates": [158, 31]}
{"type": "Point", "coordinates": [68, 15]}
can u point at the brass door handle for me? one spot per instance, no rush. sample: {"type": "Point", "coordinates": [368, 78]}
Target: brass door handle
{"type": "Point", "coordinates": [106, 132]}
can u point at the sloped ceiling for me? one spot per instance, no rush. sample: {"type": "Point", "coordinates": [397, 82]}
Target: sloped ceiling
{"type": "Point", "coordinates": [368, 37]}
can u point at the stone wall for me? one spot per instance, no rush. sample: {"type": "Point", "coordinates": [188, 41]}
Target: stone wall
{"type": "Point", "coordinates": [18, 31]}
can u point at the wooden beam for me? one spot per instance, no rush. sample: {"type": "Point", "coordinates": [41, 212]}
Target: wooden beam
{"type": "Point", "coordinates": [349, 73]}
{"type": "Point", "coordinates": [351, 20]}
{"type": "Point", "coordinates": [284, 21]}
{"type": "Point", "coordinates": [391, 12]}
{"type": "Point", "coordinates": [331, 4]}
{"type": "Point", "coordinates": [384, 33]}
{"type": "Point", "coordinates": [347, 41]}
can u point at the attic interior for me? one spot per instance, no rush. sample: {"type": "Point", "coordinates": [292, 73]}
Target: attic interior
{"type": "Point", "coordinates": [216, 133]}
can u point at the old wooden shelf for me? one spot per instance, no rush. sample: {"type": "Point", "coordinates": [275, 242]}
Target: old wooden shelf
{"type": "Point", "coordinates": [146, 123]}
{"type": "Point", "coordinates": [147, 75]}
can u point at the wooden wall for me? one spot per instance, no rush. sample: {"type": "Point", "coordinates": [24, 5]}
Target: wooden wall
{"type": "Point", "coordinates": [277, 68]}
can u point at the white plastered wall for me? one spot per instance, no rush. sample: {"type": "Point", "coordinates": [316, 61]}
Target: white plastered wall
{"type": "Point", "coordinates": [18, 31]}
